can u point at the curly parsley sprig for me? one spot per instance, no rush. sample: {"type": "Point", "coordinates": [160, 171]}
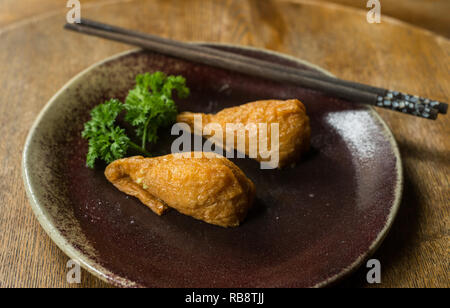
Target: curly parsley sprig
{"type": "Point", "coordinates": [148, 107]}
{"type": "Point", "coordinates": [107, 141]}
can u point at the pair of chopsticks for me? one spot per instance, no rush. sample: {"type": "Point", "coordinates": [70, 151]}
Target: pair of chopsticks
{"type": "Point", "coordinates": [347, 90]}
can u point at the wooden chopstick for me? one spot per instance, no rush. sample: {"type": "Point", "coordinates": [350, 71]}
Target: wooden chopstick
{"type": "Point", "coordinates": [230, 55]}
{"type": "Point", "coordinates": [351, 91]}
{"type": "Point", "coordinates": [243, 58]}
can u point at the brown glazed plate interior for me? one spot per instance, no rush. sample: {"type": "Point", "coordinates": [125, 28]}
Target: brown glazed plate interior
{"type": "Point", "coordinates": [310, 225]}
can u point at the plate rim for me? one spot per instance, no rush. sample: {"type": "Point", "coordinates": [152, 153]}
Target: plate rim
{"type": "Point", "coordinates": [112, 278]}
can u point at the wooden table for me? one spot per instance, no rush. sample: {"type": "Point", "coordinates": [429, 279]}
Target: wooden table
{"type": "Point", "coordinates": [37, 57]}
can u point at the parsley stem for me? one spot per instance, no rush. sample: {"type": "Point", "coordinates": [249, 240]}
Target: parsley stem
{"type": "Point", "coordinates": [144, 137]}
{"type": "Point", "coordinates": [138, 148]}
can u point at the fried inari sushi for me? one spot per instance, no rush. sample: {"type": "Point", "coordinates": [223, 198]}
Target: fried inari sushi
{"type": "Point", "coordinates": [290, 116]}
{"type": "Point", "coordinates": [207, 187]}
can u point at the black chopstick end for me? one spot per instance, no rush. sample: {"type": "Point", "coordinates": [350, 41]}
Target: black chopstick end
{"type": "Point", "coordinates": [442, 107]}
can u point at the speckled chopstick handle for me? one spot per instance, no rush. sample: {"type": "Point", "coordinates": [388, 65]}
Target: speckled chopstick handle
{"type": "Point", "coordinates": [411, 104]}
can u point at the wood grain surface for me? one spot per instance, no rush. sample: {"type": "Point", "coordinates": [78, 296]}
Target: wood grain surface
{"type": "Point", "coordinates": [37, 57]}
{"type": "Point", "coordinates": [429, 14]}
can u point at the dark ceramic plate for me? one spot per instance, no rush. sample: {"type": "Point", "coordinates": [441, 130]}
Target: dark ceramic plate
{"type": "Point", "coordinates": [310, 224]}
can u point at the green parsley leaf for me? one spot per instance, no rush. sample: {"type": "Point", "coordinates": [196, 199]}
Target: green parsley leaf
{"type": "Point", "coordinates": [107, 141]}
{"type": "Point", "coordinates": [150, 105]}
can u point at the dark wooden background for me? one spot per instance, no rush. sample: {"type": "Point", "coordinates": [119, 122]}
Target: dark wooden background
{"type": "Point", "coordinates": [37, 57]}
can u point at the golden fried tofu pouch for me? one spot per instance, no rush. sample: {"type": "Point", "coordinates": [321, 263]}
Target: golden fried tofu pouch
{"type": "Point", "coordinates": [293, 123]}
{"type": "Point", "coordinates": [208, 187]}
